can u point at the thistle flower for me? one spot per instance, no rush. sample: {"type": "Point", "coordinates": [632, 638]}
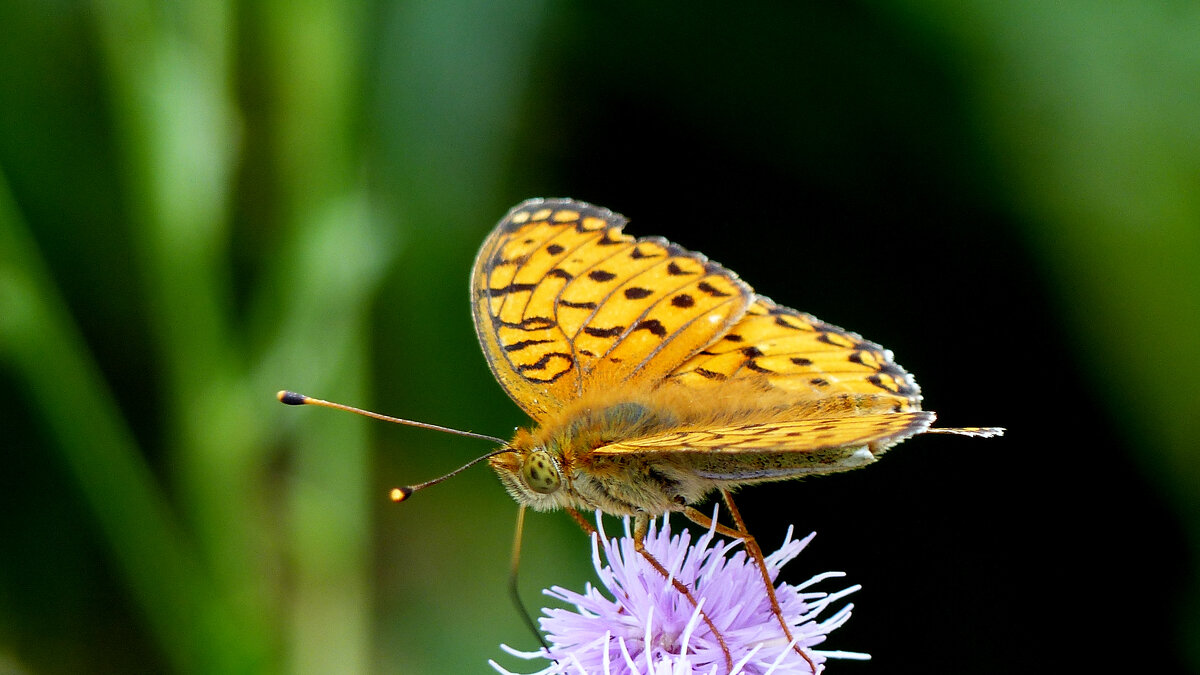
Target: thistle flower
{"type": "Point", "coordinates": [647, 626]}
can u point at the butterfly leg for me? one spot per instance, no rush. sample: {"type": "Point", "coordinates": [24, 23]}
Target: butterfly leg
{"type": "Point", "coordinates": [514, 589]}
{"type": "Point", "coordinates": [641, 524]}
{"type": "Point", "coordinates": [756, 554]}
{"type": "Point", "coordinates": [582, 522]}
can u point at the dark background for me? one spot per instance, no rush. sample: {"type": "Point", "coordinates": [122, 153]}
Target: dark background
{"type": "Point", "coordinates": [201, 203]}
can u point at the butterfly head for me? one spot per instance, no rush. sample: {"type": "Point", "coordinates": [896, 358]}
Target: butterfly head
{"type": "Point", "coordinates": [531, 473]}
{"type": "Point", "coordinates": [548, 468]}
{"type": "Point", "coordinates": [540, 472]}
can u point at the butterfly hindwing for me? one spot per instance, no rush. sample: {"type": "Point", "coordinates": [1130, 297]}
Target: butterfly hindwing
{"type": "Point", "coordinates": [775, 449]}
{"type": "Point", "coordinates": [797, 352]}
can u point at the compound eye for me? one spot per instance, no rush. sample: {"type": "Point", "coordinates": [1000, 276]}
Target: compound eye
{"type": "Point", "coordinates": [540, 473]}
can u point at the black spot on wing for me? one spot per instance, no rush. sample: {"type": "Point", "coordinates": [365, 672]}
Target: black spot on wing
{"type": "Point", "coordinates": [903, 385]}
{"type": "Point", "coordinates": [530, 323]}
{"type": "Point", "coordinates": [783, 323]}
{"type": "Point", "coordinates": [518, 346]}
{"type": "Point", "coordinates": [753, 365]}
{"type": "Point", "coordinates": [603, 332]}
{"type": "Point", "coordinates": [577, 305]}
{"type": "Point", "coordinates": [541, 363]}
{"type": "Point", "coordinates": [637, 254]}
{"type": "Point", "coordinates": [653, 325]}
{"type": "Point", "coordinates": [511, 288]}
{"type": "Point", "coordinates": [683, 300]}
{"type": "Point", "coordinates": [519, 261]}
{"type": "Point", "coordinates": [675, 270]}
{"type": "Point", "coordinates": [711, 290]}
{"type": "Point", "coordinates": [886, 386]}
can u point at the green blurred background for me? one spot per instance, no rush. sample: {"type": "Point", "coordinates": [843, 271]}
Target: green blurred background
{"type": "Point", "coordinates": [203, 202]}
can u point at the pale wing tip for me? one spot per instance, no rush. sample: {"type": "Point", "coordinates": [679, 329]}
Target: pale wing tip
{"type": "Point", "coordinates": [978, 432]}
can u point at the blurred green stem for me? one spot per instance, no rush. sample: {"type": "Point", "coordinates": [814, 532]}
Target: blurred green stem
{"type": "Point", "coordinates": [169, 74]}
{"type": "Point", "coordinates": [312, 63]}
{"type": "Point", "coordinates": [40, 342]}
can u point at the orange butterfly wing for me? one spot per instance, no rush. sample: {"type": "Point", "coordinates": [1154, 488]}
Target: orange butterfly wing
{"type": "Point", "coordinates": [799, 353]}
{"type": "Point", "coordinates": [781, 436]}
{"type": "Point", "coordinates": [564, 302]}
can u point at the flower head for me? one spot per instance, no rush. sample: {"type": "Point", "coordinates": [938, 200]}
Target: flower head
{"type": "Point", "coordinates": [645, 625]}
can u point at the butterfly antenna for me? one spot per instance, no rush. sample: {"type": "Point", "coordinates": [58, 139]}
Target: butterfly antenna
{"type": "Point", "coordinates": [979, 432]}
{"type": "Point", "coordinates": [292, 398]}
{"type": "Point", "coordinates": [403, 492]}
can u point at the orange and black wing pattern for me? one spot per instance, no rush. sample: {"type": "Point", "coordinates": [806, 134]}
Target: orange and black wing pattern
{"type": "Point", "coordinates": [799, 353]}
{"type": "Point", "coordinates": [565, 302]}
{"type": "Point", "coordinates": [792, 437]}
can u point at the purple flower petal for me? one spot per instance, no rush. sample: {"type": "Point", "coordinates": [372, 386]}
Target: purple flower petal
{"type": "Point", "coordinates": [643, 625]}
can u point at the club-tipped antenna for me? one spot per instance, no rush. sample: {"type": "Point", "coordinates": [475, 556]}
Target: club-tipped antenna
{"type": "Point", "coordinates": [292, 398]}
{"type": "Point", "coordinates": [978, 432]}
{"type": "Point", "coordinates": [403, 492]}
{"type": "Point", "coordinates": [399, 494]}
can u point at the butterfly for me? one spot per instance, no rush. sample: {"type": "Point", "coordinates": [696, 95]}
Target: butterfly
{"type": "Point", "coordinates": [657, 378]}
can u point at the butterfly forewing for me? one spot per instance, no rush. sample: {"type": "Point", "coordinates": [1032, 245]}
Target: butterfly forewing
{"type": "Point", "coordinates": [564, 303]}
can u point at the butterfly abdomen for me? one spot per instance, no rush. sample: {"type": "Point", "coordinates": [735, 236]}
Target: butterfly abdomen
{"type": "Point", "coordinates": [771, 466]}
